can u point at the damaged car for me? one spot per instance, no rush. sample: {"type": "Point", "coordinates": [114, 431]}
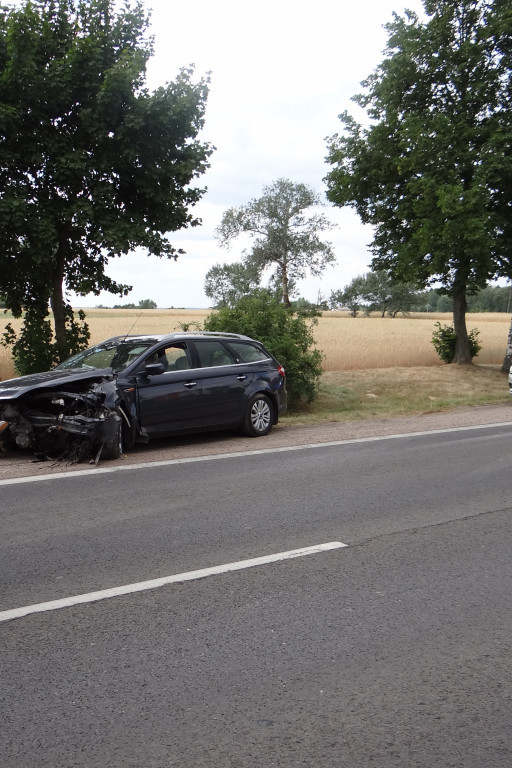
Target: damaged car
{"type": "Point", "coordinates": [131, 389]}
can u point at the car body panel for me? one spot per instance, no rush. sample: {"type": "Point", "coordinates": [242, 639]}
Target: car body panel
{"type": "Point", "coordinates": [12, 389]}
{"type": "Point", "coordinates": [168, 402]}
{"type": "Point", "coordinates": [223, 393]}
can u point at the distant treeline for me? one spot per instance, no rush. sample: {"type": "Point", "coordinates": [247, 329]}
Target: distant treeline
{"type": "Point", "coordinates": [143, 304]}
{"type": "Point", "coordinates": [494, 298]}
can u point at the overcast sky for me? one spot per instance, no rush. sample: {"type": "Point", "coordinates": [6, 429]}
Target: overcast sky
{"type": "Point", "coordinates": [282, 71]}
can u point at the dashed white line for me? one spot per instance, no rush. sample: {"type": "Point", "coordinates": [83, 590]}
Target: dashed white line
{"type": "Point", "coordinates": [127, 589]}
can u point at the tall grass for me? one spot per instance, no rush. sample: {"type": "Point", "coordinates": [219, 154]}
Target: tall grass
{"type": "Point", "coordinates": [348, 343]}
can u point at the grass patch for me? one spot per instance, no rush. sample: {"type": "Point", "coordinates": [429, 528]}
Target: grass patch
{"type": "Point", "coordinates": [377, 393]}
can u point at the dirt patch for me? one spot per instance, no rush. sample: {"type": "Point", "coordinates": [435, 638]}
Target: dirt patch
{"type": "Point", "coordinates": [19, 464]}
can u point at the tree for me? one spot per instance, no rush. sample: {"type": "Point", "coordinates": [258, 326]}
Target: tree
{"type": "Point", "coordinates": [492, 298]}
{"type": "Point", "coordinates": [286, 334]}
{"type": "Point", "coordinates": [92, 164]}
{"type": "Point", "coordinates": [375, 292]}
{"type": "Point", "coordinates": [225, 284]}
{"type": "Point", "coordinates": [432, 169]}
{"type": "Point", "coordinates": [385, 295]}
{"type": "Point", "coordinates": [286, 239]}
{"type": "Point", "coordinates": [147, 304]}
{"type": "Point", "coordinates": [507, 360]}
{"type": "Point", "coordinates": [351, 296]}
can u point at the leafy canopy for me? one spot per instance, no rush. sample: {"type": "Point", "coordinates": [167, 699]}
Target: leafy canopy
{"type": "Point", "coordinates": [225, 284]}
{"type": "Point", "coordinates": [92, 164]}
{"type": "Point", "coordinates": [375, 292]}
{"type": "Point", "coordinates": [285, 234]}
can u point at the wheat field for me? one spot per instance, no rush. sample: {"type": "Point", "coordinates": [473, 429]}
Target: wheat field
{"type": "Point", "coordinates": [347, 343]}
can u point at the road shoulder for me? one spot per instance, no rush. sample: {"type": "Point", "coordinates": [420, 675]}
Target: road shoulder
{"type": "Point", "coordinates": [21, 464]}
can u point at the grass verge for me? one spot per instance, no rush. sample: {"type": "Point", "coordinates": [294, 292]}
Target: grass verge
{"type": "Point", "coordinates": [383, 392]}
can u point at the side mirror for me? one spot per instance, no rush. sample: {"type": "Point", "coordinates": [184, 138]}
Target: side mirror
{"type": "Point", "coordinates": [154, 369]}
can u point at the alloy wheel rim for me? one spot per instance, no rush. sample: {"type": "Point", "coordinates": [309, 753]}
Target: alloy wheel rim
{"type": "Point", "coordinates": [260, 415]}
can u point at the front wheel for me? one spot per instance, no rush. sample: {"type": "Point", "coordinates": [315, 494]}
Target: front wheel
{"type": "Point", "coordinates": [259, 416]}
{"type": "Point", "coordinates": [113, 445]}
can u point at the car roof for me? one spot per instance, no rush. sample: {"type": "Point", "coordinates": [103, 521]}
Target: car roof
{"type": "Point", "coordinates": [175, 335]}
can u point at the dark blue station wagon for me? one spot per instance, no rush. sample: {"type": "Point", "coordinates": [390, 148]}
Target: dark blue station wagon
{"type": "Point", "coordinates": [131, 389]}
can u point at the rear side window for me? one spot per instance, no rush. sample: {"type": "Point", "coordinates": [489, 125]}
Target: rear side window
{"type": "Point", "coordinates": [212, 353]}
{"type": "Point", "coordinates": [246, 352]}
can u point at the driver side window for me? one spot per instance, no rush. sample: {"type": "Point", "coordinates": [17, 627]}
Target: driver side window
{"type": "Point", "coordinates": [173, 358]}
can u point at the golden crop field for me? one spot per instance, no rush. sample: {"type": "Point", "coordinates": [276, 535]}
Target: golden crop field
{"type": "Point", "coordinates": [373, 342]}
{"type": "Point", "coordinates": [347, 343]}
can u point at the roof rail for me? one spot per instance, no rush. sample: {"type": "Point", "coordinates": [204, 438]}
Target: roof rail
{"type": "Point", "coordinates": [221, 334]}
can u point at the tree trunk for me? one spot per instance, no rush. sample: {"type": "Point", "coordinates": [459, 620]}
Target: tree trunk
{"type": "Point", "coordinates": [57, 303]}
{"type": "Point", "coordinates": [507, 362]}
{"type": "Point", "coordinates": [284, 284]}
{"type": "Point", "coordinates": [462, 352]}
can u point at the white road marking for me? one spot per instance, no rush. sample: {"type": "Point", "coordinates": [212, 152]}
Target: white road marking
{"type": "Point", "coordinates": [238, 454]}
{"type": "Point", "coordinates": [142, 586]}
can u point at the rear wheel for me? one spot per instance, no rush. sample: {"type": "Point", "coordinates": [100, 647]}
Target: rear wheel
{"type": "Point", "coordinates": [259, 416]}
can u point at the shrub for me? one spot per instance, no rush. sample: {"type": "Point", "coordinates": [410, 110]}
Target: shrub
{"type": "Point", "coordinates": [287, 335]}
{"type": "Point", "coordinates": [443, 340]}
{"type": "Point", "coordinates": [33, 349]}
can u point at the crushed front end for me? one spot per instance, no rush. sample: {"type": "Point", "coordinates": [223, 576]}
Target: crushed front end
{"type": "Point", "coordinates": [73, 422]}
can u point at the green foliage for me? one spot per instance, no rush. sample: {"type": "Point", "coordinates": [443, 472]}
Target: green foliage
{"type": "Point", "coordinates": [193, 325]}
{"type": "Point", "coordinates": [444, 339]}
{"type": "Point", "coordinates": [92, 164]}
{"type": "Point", "coordinates": [431, 172]}
{"type": "Point", "coordinates": [351, 297]}
{"type": "Point", "coordinates": [433, 301]}
{"type": "Point", "coordinates": [492, 298]}
{"type": "Point", "coordinates": [143, 304]}
{"type": "Point", "coordinates": [287, 335]}
{"type": "Point", "coordinates": [286, 239]}
{"type": "Point", "coordinates": [375, 292]}
{"type": "Point", "coordinates": [302, 304]}
{"type": "Point", "coordinates": [225, 284]}
{"type": "Point", "coordinates": [34, 350]}
{"type": "Point", "coordinates": [497, 298]}
{"type": "Point", "coordinates": [77, 333]}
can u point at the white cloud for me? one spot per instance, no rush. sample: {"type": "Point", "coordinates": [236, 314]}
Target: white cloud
{"type": "Point", "coordinates": [282, 71]}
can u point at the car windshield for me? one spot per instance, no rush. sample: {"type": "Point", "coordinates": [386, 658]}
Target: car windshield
{"type": "Point", "coordinates": [117, 355]}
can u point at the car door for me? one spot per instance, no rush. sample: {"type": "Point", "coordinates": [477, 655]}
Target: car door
{"type": "Point", "coordinates": [168, 401]}
{"type": "Point", "coordinates": [223, 384]}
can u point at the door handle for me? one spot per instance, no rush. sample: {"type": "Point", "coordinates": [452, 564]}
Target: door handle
{"type": "Point", "coordinates": [190, 384]}
{"type": "Point", "coordinates": [241, 377]}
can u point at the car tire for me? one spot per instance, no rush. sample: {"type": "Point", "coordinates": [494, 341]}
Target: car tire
{"type": "Point", "coordinates": [259, 416]}
{"type": "Point", "coordinates": [113, 448]}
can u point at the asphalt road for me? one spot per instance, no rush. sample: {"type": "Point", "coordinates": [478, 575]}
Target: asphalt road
{"type": "Point", "coordinates": [393, 651]}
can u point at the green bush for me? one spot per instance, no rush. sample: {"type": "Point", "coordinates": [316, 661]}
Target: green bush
{"type": "Point", "coordinates": [443, 340]}
{"type": "Point", "coordinates": [286, 334]}
{"type": "Point", "coordinates": [33, 348]}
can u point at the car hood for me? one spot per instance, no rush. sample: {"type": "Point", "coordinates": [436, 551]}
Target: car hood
{"type": "Point", "coordinates": [12, 389]}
